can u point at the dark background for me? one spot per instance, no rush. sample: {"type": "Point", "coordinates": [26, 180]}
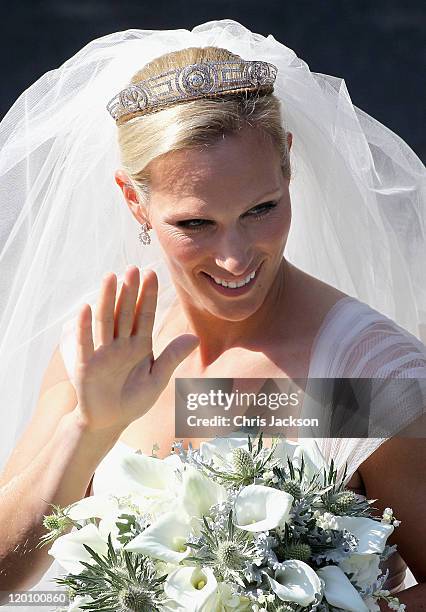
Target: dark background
{"type": "Point", "coordinates": [377, 46]}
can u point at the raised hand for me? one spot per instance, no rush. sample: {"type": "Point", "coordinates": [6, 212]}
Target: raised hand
{"type": "Point", "coordinates": [117, 379]}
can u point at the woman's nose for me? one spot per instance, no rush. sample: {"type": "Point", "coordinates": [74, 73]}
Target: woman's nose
{"type": "Point", "coordinates": [233, 254]}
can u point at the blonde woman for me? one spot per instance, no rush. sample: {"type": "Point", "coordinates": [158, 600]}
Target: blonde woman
{"type": "Point", "coordinates": [265, 200]}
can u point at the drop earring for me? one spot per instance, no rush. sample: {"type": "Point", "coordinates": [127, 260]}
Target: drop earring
{"type": "Point", "coordinates": [144, 236]}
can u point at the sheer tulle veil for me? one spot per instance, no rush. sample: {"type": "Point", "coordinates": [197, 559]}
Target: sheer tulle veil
{"type": "Point", "coordinates": [357, 189]}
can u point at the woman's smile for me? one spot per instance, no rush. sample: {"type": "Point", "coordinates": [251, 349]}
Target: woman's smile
{"type": "Point", "coordinates": [233, 290]}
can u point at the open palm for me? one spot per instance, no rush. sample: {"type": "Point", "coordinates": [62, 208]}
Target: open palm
{"type": "Point", "coordinates": [119, 380]}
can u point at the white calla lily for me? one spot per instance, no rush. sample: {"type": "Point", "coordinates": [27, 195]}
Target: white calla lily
{"type": "Point", "coordinates": [174, 461]}
{"type": "Point", "coordinates": [68, 549]}
{"type": "Point", "coordinates": [372, 534]}
{"type": "Point", "coordinates": [365, 569]}
{"type": "Point", "coordinates": [295, 581]}
{"type": "Point", "coordinates": [199, 493]}
{"type": "Point", "coordinates": [191, 587]}
{"type": "Point", "coordinates": [108, 524]}
{"type": "Point", "coordinates": [108, 508]}
{"type": "Point", "coordinates": [339, 591]}
{"type": "Point", "coordinates": [260, 508]}
{"type": "Point", "coordinates": [95, 506]}
{"type": "Point", "coordinates": [148, 476]}
{"type": "Point", "coordinates": [164, 539]}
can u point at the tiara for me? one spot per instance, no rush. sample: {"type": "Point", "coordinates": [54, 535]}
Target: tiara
{"type": "Point", "coordinates": [202, 80]}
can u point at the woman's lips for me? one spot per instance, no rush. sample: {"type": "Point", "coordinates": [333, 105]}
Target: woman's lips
{"type": "Point", "coordinates": [229, 291]}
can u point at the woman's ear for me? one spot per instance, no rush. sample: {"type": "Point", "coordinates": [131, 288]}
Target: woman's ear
{"type": "Point", "coordinates": [131, 197]}
{"type": "Point", "coordinates": [125, 184]}
{"type": "Point", "coordinates": [289, 140]}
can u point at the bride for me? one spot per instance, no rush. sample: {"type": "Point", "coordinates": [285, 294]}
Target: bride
{"type": "Point", "coordinates": [287, 242]}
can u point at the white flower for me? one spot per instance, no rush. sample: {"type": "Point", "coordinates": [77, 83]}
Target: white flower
{"type": "Point", "coordinates": [199, 493]}
{"type": "Point", "coordinates": [325, 520]}
{"type": "Point", "coordinates": [108, 508]}
{"type": "Point", "coordinates": [149, 476]}
{"type": "Point", "coordinates": [164, 539]}
{"type": "Point", "coordinates": [191, 587]}
{"type": "Point", "coordinates": [365, 568]}
{"type": "Point", "coordinates": [260, 508]}
{"type": "Point", "coordinates": [95, 506]}
{"type": "Point", "coordinates": [339, 591]}
{"type": "Point", "coordinates": [388, 517]}
{"type": "Point", "coordinates": [68, 549]}
{"type": "Point", "coordinates": [295, 581]}
{"type": "Point", "coordinates": [372, 534]}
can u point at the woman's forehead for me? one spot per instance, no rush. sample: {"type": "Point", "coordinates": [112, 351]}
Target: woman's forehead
{"type": "Point", "coordinates": [240, 163]}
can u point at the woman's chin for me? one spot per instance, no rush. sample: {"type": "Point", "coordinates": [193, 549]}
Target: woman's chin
{"type": "Point", "coordinates": [232, 312]}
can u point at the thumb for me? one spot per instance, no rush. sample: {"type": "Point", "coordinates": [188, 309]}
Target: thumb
{"type": "Point", "coordinates": [174, 353]}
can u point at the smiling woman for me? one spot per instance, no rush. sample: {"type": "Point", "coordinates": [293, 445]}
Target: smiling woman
{"type": "Point", "coordinates": [287, 242]}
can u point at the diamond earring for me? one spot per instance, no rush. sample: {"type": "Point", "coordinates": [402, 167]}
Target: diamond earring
{"type": "Point", "coordinates": [144, 237]}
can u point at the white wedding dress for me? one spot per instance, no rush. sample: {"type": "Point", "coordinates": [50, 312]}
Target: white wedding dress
{"type": "Point", "coordinates": [354, 340]}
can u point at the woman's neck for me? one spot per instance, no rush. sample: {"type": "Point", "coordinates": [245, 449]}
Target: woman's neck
{"type": "Point", "coordinates": [218, 335]}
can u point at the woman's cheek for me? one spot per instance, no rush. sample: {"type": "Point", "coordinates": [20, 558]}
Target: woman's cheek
{"type": "Point", "coordinates": [180, 246]}
{"type": "Point", "coordinates": [274, 228]}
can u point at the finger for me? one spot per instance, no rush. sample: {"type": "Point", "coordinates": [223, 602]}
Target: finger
{"type": "Point", "coordinates": [84, 336]}
{"type": "Point", "coordinates": [146, 307]}
{"type": "Point", "coordinates": [104, 328]}
{"type": "Point", "coordinates": [174, 353]}
{"type": "Point", "coordinates": [125, 309]}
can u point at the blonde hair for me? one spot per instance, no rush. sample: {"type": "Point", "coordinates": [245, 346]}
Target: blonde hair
{"type": "Point", "coordinates": [194, 123]}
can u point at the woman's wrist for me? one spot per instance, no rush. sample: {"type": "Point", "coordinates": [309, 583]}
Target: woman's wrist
{"type": "Point", "coordinates": [81, 440]}
{"type": "Point", "coordinates": [76, 422]}
{"type": "Point", "coordinates": [71, 458]}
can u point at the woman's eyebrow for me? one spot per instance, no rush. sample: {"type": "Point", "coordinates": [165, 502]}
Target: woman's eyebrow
{"type": "Point", "coordinates": [269, 194]}
{"type": "Point", "coordinates": [205, 207]}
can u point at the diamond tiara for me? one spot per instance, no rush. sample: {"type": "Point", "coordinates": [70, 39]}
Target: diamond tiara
{"type": "Point", "coordinates": [202, 80]}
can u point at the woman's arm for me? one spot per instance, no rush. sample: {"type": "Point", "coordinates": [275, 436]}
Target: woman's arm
{"type": "Point", "coordinates": [395, 475]}
{"type": "Point", "coordinates": [115, 383]}
{"type": "Point", "coordinates": [59, 474]}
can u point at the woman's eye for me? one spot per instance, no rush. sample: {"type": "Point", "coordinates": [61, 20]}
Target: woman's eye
{"type": "Point", "coordinates": [257, 211]}
{"type": "Point", "coordinates": [187, 224]}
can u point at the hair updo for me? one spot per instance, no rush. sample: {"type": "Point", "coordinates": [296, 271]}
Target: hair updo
{"type": "Point", "coordinates": [194, 123]}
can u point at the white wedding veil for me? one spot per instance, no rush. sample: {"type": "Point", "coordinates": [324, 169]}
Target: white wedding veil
{"type": "Point", "coordinates": [357, 190]}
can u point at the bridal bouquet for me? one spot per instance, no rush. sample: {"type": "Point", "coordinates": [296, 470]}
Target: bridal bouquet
{"type": "Point", "coordinates": [234, 527]}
